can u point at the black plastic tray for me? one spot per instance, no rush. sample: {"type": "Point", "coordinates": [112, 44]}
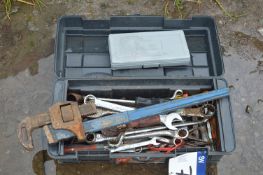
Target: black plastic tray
{"type": "Point", "coordinates": [82, 64]}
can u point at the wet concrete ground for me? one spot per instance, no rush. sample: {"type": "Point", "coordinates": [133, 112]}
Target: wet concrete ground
{"type": "Point", "coordinates": [25, 94]}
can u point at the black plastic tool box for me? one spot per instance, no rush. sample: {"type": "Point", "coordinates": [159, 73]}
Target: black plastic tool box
{"type": "Point", "coordinates": [82, 65]}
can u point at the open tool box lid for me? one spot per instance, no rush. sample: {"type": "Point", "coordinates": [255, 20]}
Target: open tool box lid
{"type": "Point", "coordinates": [82, 46]}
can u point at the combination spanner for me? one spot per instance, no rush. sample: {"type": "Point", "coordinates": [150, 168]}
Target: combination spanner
{"type": "Point", "coordinates": [152, 141]}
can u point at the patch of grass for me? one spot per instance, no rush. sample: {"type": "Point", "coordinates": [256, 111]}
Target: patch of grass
{"type": "Point", "coordinates": [166, 11]}
{"type": "Point", "coordinates": [226, 13]}
{"type": "Point", "coordinates": [104, 5]}
{"type": "Point", "coordinates": [179, 6]}
{"type": "Point", "coordinates": [130, 2]}
{"type": "Point", "coordinates": [32, 2]}
{"type": "Point", "coordinates": [33, 68]}
{"type": "Point", "coordinates": [8, 4]}
{"type": "Point", "coordinates": [222, 8]}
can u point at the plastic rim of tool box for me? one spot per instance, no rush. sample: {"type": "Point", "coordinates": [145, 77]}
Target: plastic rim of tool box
{"type": "Point", "coordinates": [81, 54]}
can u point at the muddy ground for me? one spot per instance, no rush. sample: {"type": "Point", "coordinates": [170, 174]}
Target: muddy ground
{"type": "Point", "coordinates": [26, 72]}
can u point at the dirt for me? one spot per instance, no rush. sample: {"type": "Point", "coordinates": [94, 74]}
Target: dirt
{"type": "Point", "coordinates": [26, 38]}
{"type": "Point", "coordinates": [244, 39]}
{"type": "Point", "coordinates": [29, 36]}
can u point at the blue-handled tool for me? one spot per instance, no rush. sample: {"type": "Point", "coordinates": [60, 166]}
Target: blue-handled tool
{"type": "Point", "coordinates": [129, 116]}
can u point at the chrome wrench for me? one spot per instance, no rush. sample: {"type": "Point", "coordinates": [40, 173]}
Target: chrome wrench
{"type": "Point", "coordinates": [153, 141]}
{"type": "Point", "coordinates": [107, 105]}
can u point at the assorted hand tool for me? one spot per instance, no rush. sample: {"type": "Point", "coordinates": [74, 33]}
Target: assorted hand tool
{"type": "Point", "coordinates": [119, 125]}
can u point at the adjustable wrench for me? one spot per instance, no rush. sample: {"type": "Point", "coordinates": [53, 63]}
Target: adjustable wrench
{"type": "Point", "coordinates": [129, 116]}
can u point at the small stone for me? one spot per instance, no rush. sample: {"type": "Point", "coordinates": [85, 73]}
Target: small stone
{"type": "Point", "coordinates": [248, 109]}
{"type": "Point", "coordinates": [15, 9]}
{"type": "Point", "coordinates": [231, 86]}
{"type": "Point", "coordinates": [10, 129]}
{"type": "Point", "coordinates": [7, 152]}
{"type": "Point", "coordinates": [32, 27]}
{"type": "Point", "coordinates": [35, 12]}
{"type": "Point", "coordinates": [256, 134]}
{"type": "Point", "coordinates": [233, 169]}
{"type": "Point", "coordinates": [25, 110]}
{"type": "Point", "coordinates": [260, 30]}
{"type": "Point", "coordinates": [260, 101]}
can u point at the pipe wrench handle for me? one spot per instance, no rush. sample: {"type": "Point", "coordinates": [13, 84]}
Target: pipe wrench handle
{"type": "Point", "coordinates": [106, 122]}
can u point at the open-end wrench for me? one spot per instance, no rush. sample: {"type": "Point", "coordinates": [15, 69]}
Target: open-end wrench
{"type": "Point", "coordinates": [167, 120]}
{"type": "Point", "coordinates": [107, 105]}
{"type": "Point", "coordinates": [129, 116]}
{"type": "Point", "coordinates": [152, 141]}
